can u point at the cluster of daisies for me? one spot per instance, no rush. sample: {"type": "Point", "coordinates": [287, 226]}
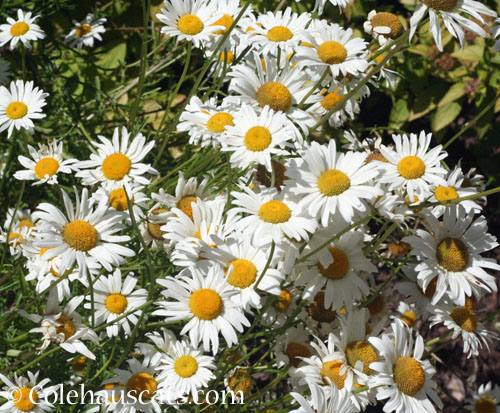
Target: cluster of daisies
{"type": "Point", "coordinates": [292, 247]}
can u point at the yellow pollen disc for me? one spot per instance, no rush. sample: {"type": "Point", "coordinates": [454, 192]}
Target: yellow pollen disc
{"type": "Point", "coordinates": [296, 350]}
{"type": "Point", "coordinates": [16, 110]}
{"type": "Point", "coordinates": [411, 167]}
{"type": "Point", "coordinates": [388, 20]}
{"type": "Point", "coordinates": [66, 326]}
{"type": "Point", "coordinates": [243, 275]}
{"type": "Point", "coordinates": [78, 364]}
{"type": "Point", "coordinates": [452, 254]}
{"type": "Point", "coordinates": [470, 303]}
{"type": "Point", "coordinates": [284, 300]}
{"type": "Point", "coordinates": [338, 268]}
{"type": "Point", "coordinates": [116, 303]}
{"type": "Point", "coordinates": [443, 5]}
{"type": "Point", "coordinates": [206, 304]}
{"type": "Point", "coordinates": [46, 166]}
{"type": "Point", "coordinates": [218, 122]}
{"type": "Point", "coordinates": [445, 193]}
{"type": "Point", "coordinates": [15, 239]}
{"type": "Point", "coordinates": [83, 30]}
{"type": "Point", "coordinates": [331, 100]}
{"type": "Point", "coordinates": [465, 319]}
{"type": "Point", "coordinates": [26, 223]}
{"type": "Point", "coordinates": [25, 398]}
{"type": "Point", "coordinates": [361, 351]}
{"type": "Point", "coordinates": [274, 212]}
{"type": "Point", "coordinates": [241, 380]}
{"type": "Point", "coordinates": [332, 52]}
{"type": "Point", "coordinates": [257, 138]}
{"type": "Point", "coordinates": [227, 57]}
{"type": "Point", "coordinates": [225, 21]}
{"type": "Point", "coordinates": [80, 235]}
{"type": "Point", "coordinates": [116, 166]}
{"type": "Point", "coordinates": [409, 375]}
{"type": "Point", "coordinates": [276, 95]}
{"type": "Point", "coordinates": [485, 405]}
{"type": "Point", "coordinates": [399, 249]}
{"type": "Point", "coordinates": [409, 318]}
{"type": "Point", "coordinates": [331, 370]}
{"type": "Point", "coordinates": [19, 28]}
{"type": "Point", "coordinates": [279, 34]}
{"type": "Point", "coordinates": [317, 310]}
{"type": "Point", "coordinates": [333, 182]}
{"type": "Point", "coordinates": [190, 24]}
{"type": "Point", "coordinates": [431, 288]}
{"type": "Point", "coordinates": [118, 199]}
{"type": "Point", "coordinates": [377, 305]}
{"type": "Point", "coordinates": [143, 383]}
{"type": "Point", "coordinates": [186, 366]}
{"type": "Point", "coordinates": [154, 229]}
{"type": "Point", "coordinates": [184, 204]}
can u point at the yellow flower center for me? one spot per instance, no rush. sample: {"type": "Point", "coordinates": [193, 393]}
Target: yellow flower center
{"type": "Point", "coordinates": [410, 318]}
{"type": "Point", "coordinates": [83, 30]}
{"type": "Point", "coordinates": [116, 166]}
{"type": "Point", "coordinates": [190, 24]}
{"type": "Point", "coordinates": [118, 199]}
{"type": "Point", "coordinates": [19, 28]}
{"type": "Point", "coordinates": [279, 34]}
{"type": "Point", "coordinates": [218, 122]}
{"type": "Point", "coordinates": [317, 310]}
{"type": "Point", "coordinates": [442, 5]}
{"type": "Point", "coordinates": [257, 138]}
{"type": "Point", "coordinates": [80, 235]}
{"type": "Point", "coordinates": [284, 300]}
{"type": "Point", "coordinates": [227, 57]}
{"type": "Point", "coordinates": [78, 364]}
{"type": "Point", "coordinates": [154, 229]}
{"type": "Point", "coordinates": [388, 20]}
{"type": "Point", "coordinates": [470, 303]}
{"type": "Point", "coordinates": [445, 193]}
{"type": "Point", "coordinates": [142, 384]}
{"type": "Point", "coordinates": [465, 319]}
{"type": "Point", "coordinates": [66, 326]}
{"type": "Point", "coordinates": [331, 100]}
{"type": "Point", "coordinates": [206, 304]}
{"type": "Point", "coordinates": [274, 212]}
{"type": "Point", "coordinates": [452, 254]}
{"type": "Point", "coordinates": [243, 275]}
{"type": "Point", "coordinates": [332, 52]}
{"type": "Point", "coordinates": [333, 182]}
{"type": "Point", "coordinates": [25, 398]}
{"type": "Point", "coordinates": [411, 167]}
{"type": "Point", "coordinates": [331, 370]}
{"type": "Point", "coordinates": [241, 380]}
{"type": "Point", "coordinates": [184, 204]}
{"type": "Point", "coordinates": [296, 350]}
{"type": "Point", "coordinates": [338, 268]}
{"type": "Point", "coordinates": [225, 21]}
{"type": "Point", "coordinates": [409, 375]}
{"type": "Point", "coordinates": [116, 303]}
{"type": "Point", "coordinates": [26, 223]}
{"type": "Point", "coordinates": [485, 405]}
{"type": "Point", "coordinates": [46, 166]}
{"type": "Point", "coordinates": [16, 110]}
{"type": "Point", "coordinates": [361, 351]}
{"type": "Point", "coordinates": [431, 288]}
{"type": "Point", "coordinates": [276, 95]}
{"type": "Point", "coordinates": [15, 239]}
{"type": "Point", "coordinates": [399, 249]}
{"type": "Point", "coordinates": [186, 366]}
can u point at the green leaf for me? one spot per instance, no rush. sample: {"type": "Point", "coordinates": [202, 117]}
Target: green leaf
{"type": "Point", "coordinates": [444, 115]}
{"type": "Point", "coordinates": [455, 92]}
{"type": "Point", "coordinates": [399, 113]}
{"type": "Point", "coordinates": [114, 56]}
{"type": "Point", "coordinates": [473, 53]}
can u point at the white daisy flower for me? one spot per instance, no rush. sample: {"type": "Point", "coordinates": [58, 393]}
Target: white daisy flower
{"type": "Point", "coordinates": [408, 313]}
{"type": "Point", "coordinates": [23, 30]}
{"type": "Point", "coordinates": [113, 299]}
{"type": "Point", "coordinates": [454, 22]}
{"type": "Point", "coordinates": [402, 376]}
{"type": "Point", "coordinates": [281, 30]}
{"type": "Point", "coordinates": [270, 215]}
{"type": "Point", "coordinates": [292, 348]}
{"type": "Point", "coordinates": [162, 344]}
{"type": "Point", "coordinates": [319, 6]}
{"type": "Point", "coordinates": [26, 394]}
{"type": "Point", "coordinates": [118, 161]}
{"type": "Point", "coordinates": [331, 183]}
{"type": "Point", "coordinates": [257, 136]}
{"type": "Point", "coordinates": [495, 32]}
{"type": "Point", "coordinates": [18, 237]}
{"type": "Point", "coordinates": [84, 234]}
{"type": "Point", "coordinates": [151, 229]}
{"type": "Point", "coordinates": [117, 200]}
{"type": "Point", "coordinates": [322, 401]}
{"type": "Point", "coordinates": [485, 400]}
{"type": "Point", "coordinates": [4, 70]}
{"type": "Point", "coordinates": [282, 308]}
{"type": "Point", "coordinates": [185, 370]}
{"type": "Point", "coordinates": [20, 105]}
{"type": "Point", "coordinates": [45, 164]}
{"type": "Point", "coordinates": [411, 166]}
{"type": "Point", "coordinates": [230, 9]}
{"type": "Point", "coordinates": [336, 49]}
{"type": "Point", "coordinates": [451, 251]}
{"type": "Point", "coordinates": [413, 292]}
{"type": "Point", "coordinates": [383, 26]}
{"type": "Point", "coordinates": [464, 323]}
{"type": "Point", "coordinates": [85, 33]}
{"type": "Point", "coordinates": [191, 20]}
{"type": "Point", "coordinates": [63, 327]}
{"type": "Point", "coordinates": [204, 300]}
